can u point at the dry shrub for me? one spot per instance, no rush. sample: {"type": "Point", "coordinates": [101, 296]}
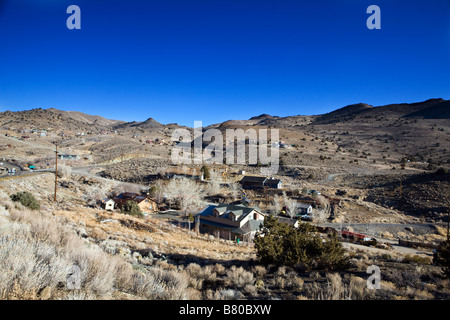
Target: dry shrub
{"type": "Point", "coordinates": [163, 264]}
{"type": "Point", "coordinates": [174, 284]}
{"type": "Point", "coordinates": [315, 275]}
{"type": "Point", "coordinates": [423, 295]}
{"type": "Point", "coordinates": [194, 294]}
{"type": "Point", "coordinates": [195, 283]}
{"type": "Point", "coordinates": [145, 285]}
{"type": "Point", "coordinates": [223, 294]}
{"type": "Point", "coordinates": [205, 273]}
{"type": "Point", "coordinates": [37, 253]}
{"type": "Point", "coordinates": [197, 275]}
{"type": "Point", "coordinates": [387, 235]}
{"type": "Point", "coordinates": [124, 274]}
{"type": "Point", "coordinates": [64, 171]}
{"type": "Point", "coordinates": [293, 281]}
{"type": "Point", "coordinates": [251, 290]}
{"type": "Point", "coordinates": [335, 287]}
{"type": "Point", "coordinates": [239, 277]}
{"type": "Point", "coordinates": [358, 287]}
{"type": "Point", "coordinates": [28, 266]}
{"type": "Point", "coordinates": [441, 231]}
{"type": "Point", "coordinates": [443, 284]}
{"type": "Point", "coordinates": [42, 226]}
{"type": "Point", "coordinates": [280, 282]}
{"type": "Point", "coordinates": [312, 290]}
{"type": "Point", "coordinates": [259, 271]}
{"type": "Point", "coordinates": [403, 279]}
{"type": "Point", "coordinates": [96, 270]}
{"type": "Point", "coordinates": [219, 269]}
{"type": "Point", "coordinates": [79, 295]}
{"type": "Point", "coordinates": [287, 278]}
{"type": "Point", "coordinates": [281, 272]}
{"type": "Point", "coordinates": [416, 259]}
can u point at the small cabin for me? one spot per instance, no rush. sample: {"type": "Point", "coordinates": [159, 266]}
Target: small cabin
{"type": "Point", "coordinates": [107, 204]}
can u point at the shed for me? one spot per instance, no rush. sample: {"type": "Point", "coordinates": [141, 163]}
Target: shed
{"type": "Point", "coordinates": [107, 204]}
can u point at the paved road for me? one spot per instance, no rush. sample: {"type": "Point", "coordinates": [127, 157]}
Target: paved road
{"type": "Point", "coordinates": [9, 166]}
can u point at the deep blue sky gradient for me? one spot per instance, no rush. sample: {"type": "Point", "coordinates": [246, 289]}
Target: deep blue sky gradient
{"type": "Point", "coordinates": [215, 60]}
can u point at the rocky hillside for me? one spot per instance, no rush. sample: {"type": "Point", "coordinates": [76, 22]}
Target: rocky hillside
{"type": "Point", "coordinates": [421, 195]}
{"type": "Point", "coordinates": [54, 119]}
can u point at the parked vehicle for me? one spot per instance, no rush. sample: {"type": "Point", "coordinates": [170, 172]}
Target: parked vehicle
{"type": "Point", "coordinates": [306, 217]}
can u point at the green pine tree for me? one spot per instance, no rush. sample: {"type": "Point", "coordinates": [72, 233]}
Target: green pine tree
{"type": "Point", "coordinates": [282, 244]}
{"type": "Point", "coordinates": [132, 208]}
{"type": "Point", "coordinates": [27, 199]}
{"type": "Point", "coordinates": [442, 257]}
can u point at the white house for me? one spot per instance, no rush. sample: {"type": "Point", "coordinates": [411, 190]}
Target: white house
{"type": "Point", "coordinates": [107, 204]}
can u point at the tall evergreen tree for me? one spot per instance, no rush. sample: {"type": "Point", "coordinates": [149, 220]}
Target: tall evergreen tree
{"type": "Point", "coordinates": [282, 244]}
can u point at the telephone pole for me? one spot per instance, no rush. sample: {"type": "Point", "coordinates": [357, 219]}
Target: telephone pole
{"type": "Point", "coordinates": [266, 188]}
{"type": "Point", "coordinates": [56, 169]}
{"type": "Point", "coordinates": [225, 173]}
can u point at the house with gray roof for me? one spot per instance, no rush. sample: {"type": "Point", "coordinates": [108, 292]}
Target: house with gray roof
{"type": "Point", "coordinates": [230, 221]}
{"type": "Point", "coordinates": [256, 182]}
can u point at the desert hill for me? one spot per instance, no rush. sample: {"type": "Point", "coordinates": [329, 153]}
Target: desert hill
{"type": "Point", "coordinates": [87, 118]}
{"type": "Point", "coordinates": [343, 114]}
{"type": "Point", "coordinates": [351, 114]}
{"type": "Point", "coordinates": [150, 123]}
{"type": "Point", "coordinates": [54, 119]}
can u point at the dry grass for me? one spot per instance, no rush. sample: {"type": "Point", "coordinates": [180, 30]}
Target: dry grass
{"type": "Point", "coordinates": [37, 253]}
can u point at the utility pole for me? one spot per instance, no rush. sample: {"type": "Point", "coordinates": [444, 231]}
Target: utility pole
{"type": "Point", "coordinates": [266, 196]}
{"type": "Point", "coordinates": [225, 173]}
{"type": "Point", "coordinates": [56, 169]}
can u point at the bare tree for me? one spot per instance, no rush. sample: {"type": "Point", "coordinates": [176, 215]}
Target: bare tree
{"type": "Point", "coordinates": [323, 211]}
{"type": "Point", "coordinates": [277, 204]}
{"type": "Point", "coordinates": [185, 192]}
{"type": "Point", "coordinates": [64, 171]}
{"type": "Point", "coordinates": [96, 192]}
{"type": "Point", "coordinates": [291, 206]}
{"type": "Point", "coordinates": [161, 171]}
{"type": "Point", "coordinates": [157, 190]}
{"type": "Point", "coordinates": [234, 189]}
{"type": "Point", "coordinates": [214, 184]}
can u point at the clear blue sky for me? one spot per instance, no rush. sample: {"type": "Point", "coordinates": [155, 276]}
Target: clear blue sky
{"type": "Point", "coordinates": [215, 60]}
